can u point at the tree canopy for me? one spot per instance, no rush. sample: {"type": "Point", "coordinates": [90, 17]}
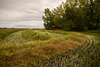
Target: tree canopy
{"type": "Point", "coordinates": [74, 15]}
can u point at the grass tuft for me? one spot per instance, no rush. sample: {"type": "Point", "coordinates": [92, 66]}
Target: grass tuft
{"type": "Point", "coordinates": [27, 47]}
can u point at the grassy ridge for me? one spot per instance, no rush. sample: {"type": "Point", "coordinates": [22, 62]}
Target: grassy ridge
{"type": "Point", "coordinates": [87, 55]}
{"type": "Point", "coordinates": [6, 32]}
{"type": "Point", "coordinates": [35, 35]}
{"type": "Point", "coordinates": [26, 36]}
{"type": "Point", "coordinates": [36, 45]}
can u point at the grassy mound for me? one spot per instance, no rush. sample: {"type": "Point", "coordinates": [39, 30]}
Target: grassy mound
{"type": "Point", "coordinates": [35, 35]}
{"type": "Point", "coordinates": [39, 45]}
{"type": "Point", "coordinates": [15, 38]}
{"type": "Point", "coordinates": [87, 55]}
{"type": "Point", "coordinates": [26, 36]}
{"type": "Point", "coordinates": [6, 32]}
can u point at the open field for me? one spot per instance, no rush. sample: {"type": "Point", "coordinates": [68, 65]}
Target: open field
{"type": "Point", "coordinates": [48, 48]}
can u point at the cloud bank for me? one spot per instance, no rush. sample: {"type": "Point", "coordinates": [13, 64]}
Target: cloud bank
{"type": "Point", "coordinates": [24, 13]}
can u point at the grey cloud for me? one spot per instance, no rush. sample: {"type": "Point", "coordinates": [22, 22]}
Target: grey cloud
{"type": "Point", "coordinates": [22, 24]}
{"type": "Point", "coordinates": [16, 11]}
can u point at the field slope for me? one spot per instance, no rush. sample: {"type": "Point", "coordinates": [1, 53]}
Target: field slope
{"type": "Point", "coordinates": [47, 48]}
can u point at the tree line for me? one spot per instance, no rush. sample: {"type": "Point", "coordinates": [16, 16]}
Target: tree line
{"type": "Point", "coordinates": [74, 15]}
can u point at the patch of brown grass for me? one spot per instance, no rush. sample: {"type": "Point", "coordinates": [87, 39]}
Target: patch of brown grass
{"type": "Point", "coordinates": [28, 54]}
{"type": "Point", "coordinates": [76, 37]}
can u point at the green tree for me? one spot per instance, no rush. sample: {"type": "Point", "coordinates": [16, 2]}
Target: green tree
{"type": "Point", "coordinates": [97, 13]}
{"type": "Point", "coordinates": [48, 19]}
{"type": "Point", "coordinates": [75, 15]}
{"type": "Point", "coordinates": [59, 15]}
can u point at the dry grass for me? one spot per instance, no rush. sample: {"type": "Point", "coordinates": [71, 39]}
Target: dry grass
{"type": "Point", "coordinates": [28, 54]}
{"type": "Point", "coordinates": [33, 55]}
{"type": "Point", "coordinates": [76, 37]}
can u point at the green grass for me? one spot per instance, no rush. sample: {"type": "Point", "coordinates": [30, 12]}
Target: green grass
{"type": "Point", "coordinates": [35, 35]}
{"type": "Point", "coordinates": [6, 32]}
{"type": "Point", "coordinates": [27, 47]}
{"type": "Point", "coordinates": [94, 32]}
{"type": "Point", "coordinates": [92, 60]}
{"type": "Point", "coordinates": [87, 55]}
{"type": "Point", "coordinates": [26, 36]}
{"type": "Point", "coordinates": [51, 48]}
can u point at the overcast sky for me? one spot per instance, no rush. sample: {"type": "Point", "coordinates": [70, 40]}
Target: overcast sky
{"type": "Point", "coordinates": [24, 13]}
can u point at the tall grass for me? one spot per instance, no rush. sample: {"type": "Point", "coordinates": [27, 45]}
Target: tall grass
{"type": "Point", "coordinates": [6, 32]}
{"type": "Point", "coordinates": [34, 35]}
{"type": "Point", "coordinates": [40, 45]}
{"type": "Point", "coordinates": [87, 55]}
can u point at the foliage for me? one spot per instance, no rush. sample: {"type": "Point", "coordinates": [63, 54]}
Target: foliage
{"type": "Point", "coordinates": [74, 15]}
{"type": "Point", "coordinates": [48, 19]}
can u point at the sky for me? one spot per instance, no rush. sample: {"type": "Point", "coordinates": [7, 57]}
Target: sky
{"type": "Point", "coordinates": [24, 13]}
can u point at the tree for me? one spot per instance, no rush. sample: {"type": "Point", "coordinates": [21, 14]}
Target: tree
{"type": "Point", "coordinates": [97, 13]}
{"type": "Point", "coordinates": [59, 15]}
{"type": "Point", "coordinates": [74, 15]}
{"type": "Point", "coordinates": [48, 19]}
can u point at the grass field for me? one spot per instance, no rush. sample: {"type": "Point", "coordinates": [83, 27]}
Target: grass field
{"type": "Point", "coordinates": [48, 48]}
